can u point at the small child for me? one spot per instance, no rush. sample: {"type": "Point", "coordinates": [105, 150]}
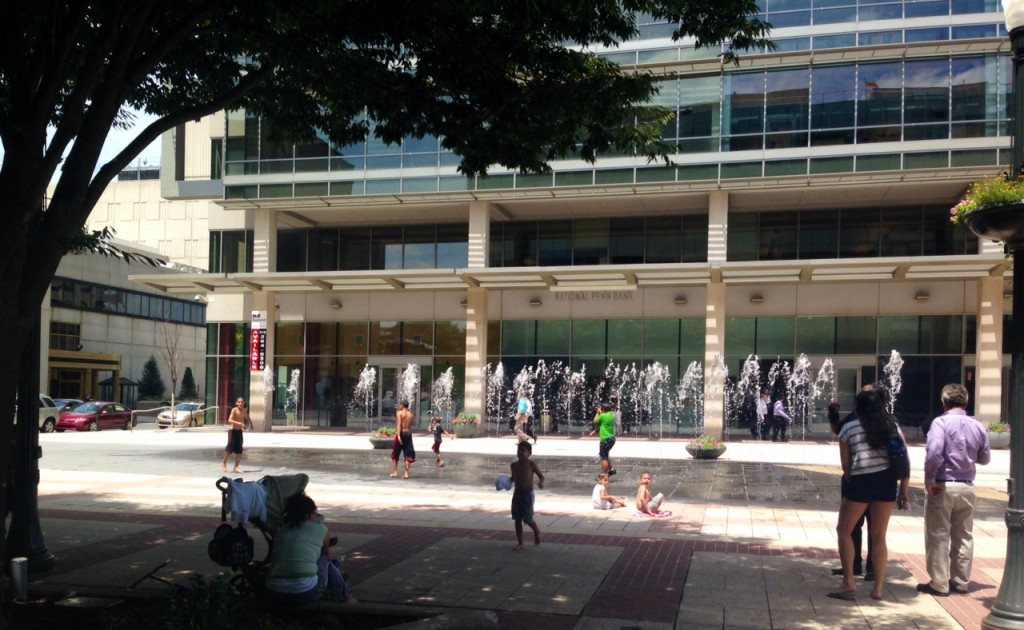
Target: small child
{"type": "Point", "coordinates": [523, 471]}
{"type": "Point", "coordinates": [644, 502]}
{"type": "Point", "coordinates": [603, 500]}
{"type": "Point", "coordinates": [438, 431]}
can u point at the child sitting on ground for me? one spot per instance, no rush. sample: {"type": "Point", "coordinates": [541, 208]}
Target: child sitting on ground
{"type": "Point", "coordinates": [603, 500]}
{"type": "Point", "coordinates": [644, 501]}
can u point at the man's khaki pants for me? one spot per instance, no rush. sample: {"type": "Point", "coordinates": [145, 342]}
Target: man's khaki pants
{"type": "Point", "coordinates": [948, 538]}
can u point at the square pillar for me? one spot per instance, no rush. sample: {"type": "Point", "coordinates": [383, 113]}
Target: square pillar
{"type": "Point", "coordinates": [477, 312]}
{"type": "Point", "coordinates": [261, 394]}
{"type": "Point", "coordinates": [714, 354]}
{"type": "Point", "coordinates": [988, 395]}
{"type": "Point", "coordinates": [264, 246]}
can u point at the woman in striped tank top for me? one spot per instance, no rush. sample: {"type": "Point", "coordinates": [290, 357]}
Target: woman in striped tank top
{"type": "Point", "coordinates": [869, 484]}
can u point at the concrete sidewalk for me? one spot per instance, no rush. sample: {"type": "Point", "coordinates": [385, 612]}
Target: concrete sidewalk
{"type": "Point", "coordinates": [736, 563]}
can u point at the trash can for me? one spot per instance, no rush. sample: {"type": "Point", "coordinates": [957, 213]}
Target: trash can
{"type": "Point", "coordinates": [545, 421]}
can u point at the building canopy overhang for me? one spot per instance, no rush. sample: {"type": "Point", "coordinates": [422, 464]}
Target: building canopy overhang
{"type": "Point", "coordinates": [591, 277]}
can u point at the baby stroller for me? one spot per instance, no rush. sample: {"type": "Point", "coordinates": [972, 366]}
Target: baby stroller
{"type": "Point", "coordinates": [262, 504]}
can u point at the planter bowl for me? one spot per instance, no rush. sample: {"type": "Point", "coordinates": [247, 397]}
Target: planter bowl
{"type": "Point", "coordinates": [382, 442]}
{"type": "Point", "coordinates": [705, 453]}
{"type": "Point", "coordinates": [464, 430]}
{"type": "Point", "coordinates": [999, 440]}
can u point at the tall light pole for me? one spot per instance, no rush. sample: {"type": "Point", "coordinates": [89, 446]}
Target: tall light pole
{"type": "Point", "coordinates": [1008, 609]}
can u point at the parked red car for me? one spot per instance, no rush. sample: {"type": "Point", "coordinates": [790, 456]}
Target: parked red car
{"type": "Point", "coordinates": [93, 416]}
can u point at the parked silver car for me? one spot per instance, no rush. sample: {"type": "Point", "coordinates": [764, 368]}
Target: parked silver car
{"type": "Point", "coordinates": [48, 414]}
{"type": "Point", "coordinates": [186, 414]}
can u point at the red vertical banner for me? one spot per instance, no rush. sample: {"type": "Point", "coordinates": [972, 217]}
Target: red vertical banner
{"type": "Point", "coordinates": [258, 342]}
{"type": "Point", "coordinates": [258, 350]}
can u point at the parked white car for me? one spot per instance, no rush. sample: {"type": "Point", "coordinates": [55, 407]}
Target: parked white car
{"type": "Point", "coordinates": [48, 414]}
{"type": "Point", "coordinates": [186, 414]}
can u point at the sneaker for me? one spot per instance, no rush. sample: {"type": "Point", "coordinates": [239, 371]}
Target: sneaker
{"type": "Point", "coordinates": [869, 576]}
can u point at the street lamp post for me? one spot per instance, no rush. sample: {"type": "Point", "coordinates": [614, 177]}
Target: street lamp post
{"type": "Point", "coordinates": [1008, 609]}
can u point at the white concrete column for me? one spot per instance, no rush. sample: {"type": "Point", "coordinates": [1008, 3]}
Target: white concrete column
{"type": "Point", "coordinates": [988, 395]}
{"type": "Point", "coordinates": [260, 396]}
{"type": "Point", "coordinates": [477, 313]}
{"type": "Point", "coordinates": [718, 225]}
{"type": "Point", "coordinates": [479, 233]}
{"type": "Point", "coordinates": [264, 247]}
{"type": "Point", "coordinates": [714, 323]}
{"type": "Point", "coordinates": [714, 354]}
{"type": "Point", "coordinates": [476, 353]}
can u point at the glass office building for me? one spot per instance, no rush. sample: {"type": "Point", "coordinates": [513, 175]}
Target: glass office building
{"type": "Point", "coordinates": [806, 212]}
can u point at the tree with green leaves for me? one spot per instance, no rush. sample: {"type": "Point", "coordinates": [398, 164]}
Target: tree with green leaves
{"type": "Point", "coordinates": [188, 385]}
{"type": "Point", "coordinates": [151, 385]}
{"type": "Point", "coordinates": [507, 83]}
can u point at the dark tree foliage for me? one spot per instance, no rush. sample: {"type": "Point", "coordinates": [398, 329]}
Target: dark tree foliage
{"type": "Point", "coordinates": [188, 385]}
{"type": "Point", "coordinates": [508, 83]}
{"type": "Point", "coordinates": [151, 385]}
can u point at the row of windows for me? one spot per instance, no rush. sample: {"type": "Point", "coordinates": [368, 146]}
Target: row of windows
{"type": "Point", "coordinates": [394, 338]}
{"type": "Point", "coordinates": [410, 247]}
{"type": "Point", "coordinates": [231, 251]}
{"type": "Point", "coordinates": [787, 13]}
{"type": "Point", "coordinates": [912, 99]}
{"type": "Point", "coordinates": [331, 354]}
{"type": "Point", "coordinates": [645, 340]}
{"type": "Point", "coordinates": [87, 296]}
{"type": "Point", "coordinates": [633, 240]}
{"type": "Point", "coordinates": [716, 171]}
{"type": "Point", "coordinates": [846, 233]}
{"type": "Point", "coordinates": [642, 340]}
{"type": "Point", "coordinates": [65, 336]}
{"type": "Point", "coordinates": [787, 235]}
{"type": "Point", "coordinates": [672, 54]}
{"type": "Point", "coordinates": [670, 239]}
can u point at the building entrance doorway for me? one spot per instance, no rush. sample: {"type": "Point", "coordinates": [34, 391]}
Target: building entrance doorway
{"type": "Point", "coordinates": [403, 378]}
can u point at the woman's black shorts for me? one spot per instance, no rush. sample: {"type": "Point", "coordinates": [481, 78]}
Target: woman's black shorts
{"type": "Point", "coordinates": [870, 487]}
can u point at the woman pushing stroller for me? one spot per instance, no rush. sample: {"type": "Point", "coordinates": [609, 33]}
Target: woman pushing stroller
{"type": "Point", "coordinates": [301, 572]}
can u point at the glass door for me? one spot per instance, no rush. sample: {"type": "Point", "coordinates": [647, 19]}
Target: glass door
{"type": "Point", "coordinates": [403, 378]}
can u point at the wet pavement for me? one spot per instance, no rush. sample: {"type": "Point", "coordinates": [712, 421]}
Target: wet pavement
{"type": "Point", "coordinates": [750, 542]}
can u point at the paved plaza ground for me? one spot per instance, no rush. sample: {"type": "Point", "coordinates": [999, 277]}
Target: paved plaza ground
{"type": "Point", "coordinates": [750, 543]}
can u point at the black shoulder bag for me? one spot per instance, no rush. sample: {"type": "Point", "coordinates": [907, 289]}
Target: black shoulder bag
{"type": "Point", "coordinates": [899, 460]}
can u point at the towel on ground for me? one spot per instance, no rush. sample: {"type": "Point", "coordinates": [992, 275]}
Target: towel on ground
{"type": "Point", "coordinates": [661, 514]}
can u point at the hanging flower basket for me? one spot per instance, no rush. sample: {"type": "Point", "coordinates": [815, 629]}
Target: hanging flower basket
{"type": "Point", "coordinates": [999, 223]}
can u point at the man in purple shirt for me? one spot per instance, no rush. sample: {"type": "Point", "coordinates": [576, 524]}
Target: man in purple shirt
{"type": "Point", "coordinates": [956, 443]}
